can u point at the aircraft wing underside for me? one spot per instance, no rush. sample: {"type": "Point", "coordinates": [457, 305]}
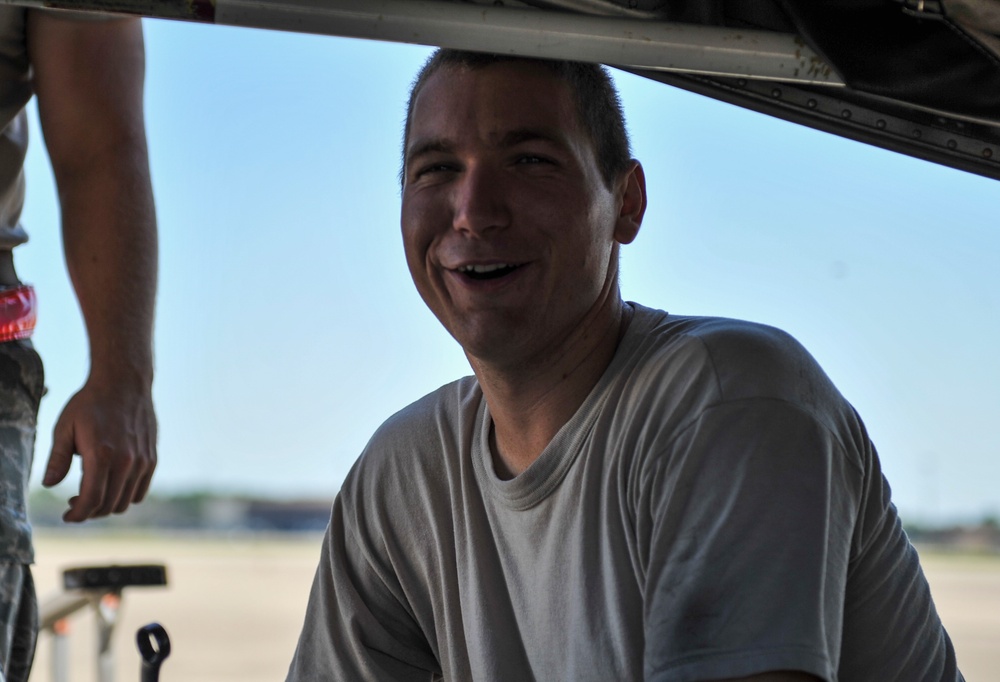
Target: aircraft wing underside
{"type": "Point", "coordinates": [920, 77]}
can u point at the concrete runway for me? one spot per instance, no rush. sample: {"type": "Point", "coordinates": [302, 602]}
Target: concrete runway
{"type": "Point", "coordinates": [234, 606]}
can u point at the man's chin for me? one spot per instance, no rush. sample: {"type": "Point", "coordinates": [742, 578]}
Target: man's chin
{"type": "Point", "coordinates": [498, 346]}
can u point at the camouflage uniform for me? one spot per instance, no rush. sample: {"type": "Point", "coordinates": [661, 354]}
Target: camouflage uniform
{"type": "Point", "coordinates": [21, 387]}
{"type": "Point", "coordinates": [21, 377]}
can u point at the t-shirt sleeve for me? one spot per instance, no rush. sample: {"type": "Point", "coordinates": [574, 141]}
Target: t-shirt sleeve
{"type": "Point", "coordinates": [357, 624]}
{"type": "Point", "coordinates": [749, 516]}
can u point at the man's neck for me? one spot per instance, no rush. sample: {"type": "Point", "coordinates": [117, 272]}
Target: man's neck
{"type": "Point", "coordinates": [531, 403]}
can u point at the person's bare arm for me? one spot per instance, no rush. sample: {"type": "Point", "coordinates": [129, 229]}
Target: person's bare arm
{"type": "Point", "coordinates": [89, 81]}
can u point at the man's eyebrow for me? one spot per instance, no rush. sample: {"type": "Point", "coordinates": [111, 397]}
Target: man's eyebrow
{"type": "Point", "coordinates": [429, 146]}
{"type": "Point", "coordinates": [515, 137]}
{"type": "Point", "coordinates": [511, 138]}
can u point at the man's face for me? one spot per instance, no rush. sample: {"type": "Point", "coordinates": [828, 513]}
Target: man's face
{"type": "Point", "coordinates": [509, 229]}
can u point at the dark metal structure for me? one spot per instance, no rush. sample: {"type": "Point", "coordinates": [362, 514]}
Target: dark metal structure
{"type": "Point", "coordinates": [920, 77]}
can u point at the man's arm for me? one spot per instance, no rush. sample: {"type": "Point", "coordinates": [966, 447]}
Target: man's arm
{"type": "Point", "coordinates": [358, 625]}
{"type": "Point", "coordinates": [750, 541]}
{"type": "Point", "coordinates": [88, 77]}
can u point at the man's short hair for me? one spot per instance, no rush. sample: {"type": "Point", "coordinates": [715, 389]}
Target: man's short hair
{"type": "Point", "coordinates": [597, 102]}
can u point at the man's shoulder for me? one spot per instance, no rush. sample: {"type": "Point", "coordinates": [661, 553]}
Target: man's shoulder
{"type": "Point", "coordinates": [736, 359]}
{"type": "Point", "coordinates": [718, 332]}
{"type": "Point", "coordinates": [688, 369]}
{"type": "Point", "coordinates": [421, 433]}
{"type": "Point", "coordinates": [439, 410]}
{"type": "Point", "coordinates": [400, 481]}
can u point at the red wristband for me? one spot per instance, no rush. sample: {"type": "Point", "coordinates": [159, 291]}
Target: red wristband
{"type": "Point", "coordinates": [18, 312]}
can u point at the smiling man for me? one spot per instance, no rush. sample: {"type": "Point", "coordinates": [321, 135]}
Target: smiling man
{"type": "Point", "coordinates": [617, 493]}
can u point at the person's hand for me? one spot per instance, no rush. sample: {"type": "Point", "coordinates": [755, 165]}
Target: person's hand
{"type": "Point", "coordinates": [114, 432]}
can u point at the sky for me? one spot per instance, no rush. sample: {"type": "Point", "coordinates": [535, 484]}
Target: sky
{"type": "Point", "coordinates": [288, 329]}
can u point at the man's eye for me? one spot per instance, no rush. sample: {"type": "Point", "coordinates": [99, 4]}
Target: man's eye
{"type": "Point", "coordinates": [531, 159]}
{"type": "Point", "coordinates": [433, 168]}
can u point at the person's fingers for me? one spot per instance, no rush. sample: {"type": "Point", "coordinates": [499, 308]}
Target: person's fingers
{"type": "Point", "coordinates": [142, 471]}
{"type": "Point", "coordinates": [146, 477]}
{"type": "Point", "coordinates": [120, 481]}
{"type": "Point", "coordinates": [124, 501]}
{"type": "Point", "coordinates": [93, 486]}
{"type": "Point", "coordinates": [61, 455]}
{"type": "Point", "coordinates": [145, 465]}
{"type": "Point", "coordinates": [142, 489]}
{"type": "Point", "coordinates": [129, 487]}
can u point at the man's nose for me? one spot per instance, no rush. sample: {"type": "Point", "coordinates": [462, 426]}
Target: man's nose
{"type": "Point", "coordinates": [479, 201]}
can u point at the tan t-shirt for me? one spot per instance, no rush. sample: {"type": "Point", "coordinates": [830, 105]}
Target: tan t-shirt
{"type": "Point", "coordinates": [714, 509]}
{"type": "Point", "coordinates": [15, 91]}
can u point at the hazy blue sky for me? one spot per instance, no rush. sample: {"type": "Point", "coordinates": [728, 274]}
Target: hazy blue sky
{"type": "Point", "coordinates": [288, 328]}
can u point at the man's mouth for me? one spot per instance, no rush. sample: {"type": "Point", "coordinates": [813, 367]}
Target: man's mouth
{"type": "Point", "coordinates": [484, 272]}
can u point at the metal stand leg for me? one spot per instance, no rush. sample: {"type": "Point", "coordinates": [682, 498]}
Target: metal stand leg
{"type": "Point", "coordinates": [107, 617]}
{"type": "Point", "coordinates": [60, 651]}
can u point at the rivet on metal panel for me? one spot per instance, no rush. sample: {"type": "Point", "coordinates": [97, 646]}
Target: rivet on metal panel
{"type": "Point", "coordinates": [987, 153]}
{"type": "Point", "coordinates": [776, 92]}
{"type": "Point", "coordinates": [846, 113]}
{"type": "Point", "coordinates": [917, 133]}
{"type": "Point", "coordinates": [811, 104]}
{"type": "Point", "coordinates": [952, 144]}
{"type": "Point", "coordinates": [880, 124]}
{"type": "Point", "coordinates": [742, 82]}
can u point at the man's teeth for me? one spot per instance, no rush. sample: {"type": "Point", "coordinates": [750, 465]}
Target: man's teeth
{"type": "Point", "coordinates": [484, 269]}
{"type": "Point", "coordinates": [494, 271]}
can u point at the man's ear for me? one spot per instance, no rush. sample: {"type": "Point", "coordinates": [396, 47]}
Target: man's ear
{"type": "Point", "coordinates": [631, 189]}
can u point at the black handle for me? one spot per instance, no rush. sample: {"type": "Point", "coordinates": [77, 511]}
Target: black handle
{"type": "Point", "coordinates": [154, 647]}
